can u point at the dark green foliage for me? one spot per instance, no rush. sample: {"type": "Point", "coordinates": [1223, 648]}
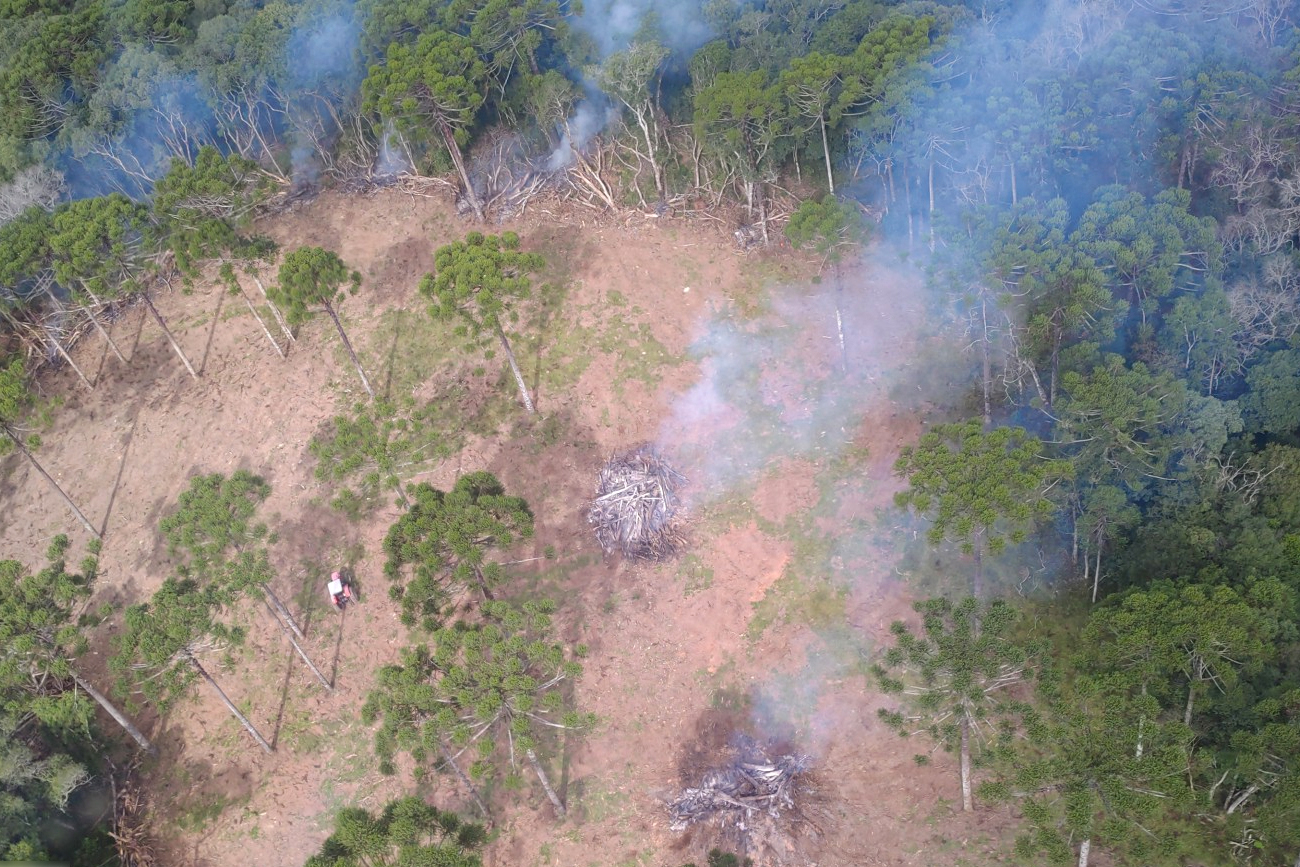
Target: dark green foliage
{"type": "Point", "coordinates": [480, 281]}
{"type": "Point", "coordinates": [982, 489]}
{"type": "Point", "coordinates": [214, 516]}
{"type": "Point", "coordinates": [961, 676]}
{"type": "Point", "coordinates": [375, 449]}
{"type": "Point", "coordinates": [825, 227]}
{"type": "Point", "coordinates": [43, 629]}
{"type": "Point", "coordinates": [161, 638]}
{"type": "Point", "coordinates": [311, 278]}
{"type": "Point", "coordinates": [200, 209]}
{"type": "Point", "coordinates": [446, 537]}
{"type": "Point", "coordinates": [406, 833]}
{"type": "Point", "coordinates": [496, 688]}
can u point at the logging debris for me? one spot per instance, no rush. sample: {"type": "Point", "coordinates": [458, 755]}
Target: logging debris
{"type": "Point", "coordinates": [636, 509]}
{"type": "Point", "coordinates": [752, 784]}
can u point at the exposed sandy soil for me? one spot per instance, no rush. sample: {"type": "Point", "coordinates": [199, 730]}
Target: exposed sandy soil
{"type": "Point", "coordinates": [677, 659]}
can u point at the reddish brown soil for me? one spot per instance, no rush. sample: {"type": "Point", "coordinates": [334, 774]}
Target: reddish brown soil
{"type": "Point", "coordinates": [668, 653]}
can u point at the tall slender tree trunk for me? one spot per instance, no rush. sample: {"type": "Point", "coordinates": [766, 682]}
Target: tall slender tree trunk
{"type": "Point", "coordinates": [116, 714]}
{"type": "Point", "coordinates": [514, 368]}
{"type": "Point", "coordinates": [99, 326]}
{"type": "Point", "coordinates": [18, 443]}
{"type": "Point", "coordinates": [298, 647]}
{"type": "Point", "coordinates": [356, 362]}
{"type": "Point", "coordinates": [230, 706]}
{"type": "Point", "coordinates": [1085, 848]}
{"type": "Point", "coordinates": [930, 216]}
{"type": "Point", "coordinates": [460, 775]}
{"type": "Point", "coordinates": [275, 311]}
{"type": "Point", "coordinates": [978, 589]}
{"type": "Point", "coordinates": [58, 344]}
{"type": "Point", "coordinates": [826, 151]}
{"type": "Point", "coordinates": [966, 803]}
{"type": "Point", "coordinates": [283, 611]}
{"type": "Point", "coordinates": [987, 364]}
{"type": "Point", "coordinates": [762, 216]}
{"type": "Point", "coordinates": [1096, 572]}
{"type": "Point", "coordinates": [1191, 698]}
{"type": "Point", "coordinates": [546, 784]}
{"type": "Point", "coordinates": [167, 331]}
{"type": "Point", "coordinates": [482, 582]}
{"type": "Point", "coordinates": [449, 138]}
{"type": "Point", "coordinates": [252, 308]}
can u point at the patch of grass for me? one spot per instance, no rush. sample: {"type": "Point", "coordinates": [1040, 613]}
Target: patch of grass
{"type": "Point", "coordinates": [791, 599]}
{"type": "Point", "coordinates": [597, 804]}
{"type": "Point", "coordinates": [405, 350]}
{"type": "Point", "coordinates": [695, 574]}
{"type": "Point", "coordinates": [205, 810]}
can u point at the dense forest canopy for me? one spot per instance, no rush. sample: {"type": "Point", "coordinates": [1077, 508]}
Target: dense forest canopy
{"type": "Point", "coordinates": [1105, 193]}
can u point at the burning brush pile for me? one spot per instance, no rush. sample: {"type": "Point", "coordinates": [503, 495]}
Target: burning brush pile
{"type": "Point", "coordinates": [636, 506]}
{"type": "Point", "coordinates": [752, 785]}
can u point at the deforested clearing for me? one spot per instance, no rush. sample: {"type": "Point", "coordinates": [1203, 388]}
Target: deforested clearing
{"type": "Point", "coordinates": [682, 657]}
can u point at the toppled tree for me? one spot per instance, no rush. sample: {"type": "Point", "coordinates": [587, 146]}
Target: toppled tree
{"type": "Point", "coordinates": [377, 447]}
{"type": "Point", "coordinates": [480, 280]}
{"type": "Point", "coordinates": [15, 400]}
{"type": "Point", "coordinates": [445, 537]}
{"type": "Point", "coordinates": [312, 277]}
{"type": "Point", "coordinates": [42, 631]}
{"type": "Point", "coordinates": [635, 510]}
{"type": "Point", "coordinates": [957, 680]}
{"type": "Point", "coordinates": [162, 640]}
{"type": "Point", "coordinates": [981, 489]}
{"type": "Point", "coordinates": [406, 833]}
{"type": "Point", "coordinates": [491, 687]}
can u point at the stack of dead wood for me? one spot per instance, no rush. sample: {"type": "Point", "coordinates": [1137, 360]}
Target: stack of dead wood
{"type": "Point", "coordinates": [636, 506]}
{"type": "Point", "coordinates": [753, 783]}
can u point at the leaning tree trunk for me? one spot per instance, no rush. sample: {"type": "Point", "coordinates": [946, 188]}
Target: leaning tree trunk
{"type": "Point", "coordinates": [283, 611]}
{"type": "Point", "coordinates": [167, 331]}
{"type": "Point", "coordinates": [546, 783]}
{"type": "Point", "coordinates": [99, 326]}
{"type": "Point", "coordinates": [455, 769]}
{"type": "Point", "coordinates": [58, 344]}
{"type": "Point", "coordinates": [275, 311]}
{"type": "Point", "coordinates": [260, 321]}
{"type": "Point", "coordinates": [453, 149]}
{"type": "Point", "coordinates": [18, 443]}
{"type": "Point", "coordinates": [298, 647]}
{"type": "Point", "coordinates": [116, 714]}
{"type": "Point", "coordinates": [826, 151]}
{"type": "Point", "coordinates": [230, 706]}
{"type": "Point", "coordinates": [514, 368]}
{"type": "Point", "coordinates": [966, 804]}
{"type": "Point", "coordinates": [347, 344]}
{"type": "Point", "coordinates": [1084, 849]}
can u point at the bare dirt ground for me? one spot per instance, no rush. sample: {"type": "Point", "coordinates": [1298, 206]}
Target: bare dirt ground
{"type": "Point", "coordinates": [655, 332]}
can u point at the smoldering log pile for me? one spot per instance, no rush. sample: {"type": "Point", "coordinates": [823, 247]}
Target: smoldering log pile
{"type": "Point", "coordinates": [636, 510]}
{"type": "Point", "coordinates": [754, 783]}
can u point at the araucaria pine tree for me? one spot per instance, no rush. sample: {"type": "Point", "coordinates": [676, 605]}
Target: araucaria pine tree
{"type": "Point", "coordinates": [957, 680]}
{"type": "Point", "coordinates": [481, 280]}
{"type": "Point", "coordinates": [493, 689]}
{"type": "Point", "coordinates": [43, 633]}
{"type": "Point", "coordinates": [406, 833]}
{"type": "Point", "coordinates": [312, 278]}
{"type": "Point", "coordinates": [445, 537]}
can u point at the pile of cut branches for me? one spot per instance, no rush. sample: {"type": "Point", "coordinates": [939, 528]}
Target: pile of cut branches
{"type": "Point", "coordinates": [636, 506]}
{"type": "Point", "coordinates": [752, 783]}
